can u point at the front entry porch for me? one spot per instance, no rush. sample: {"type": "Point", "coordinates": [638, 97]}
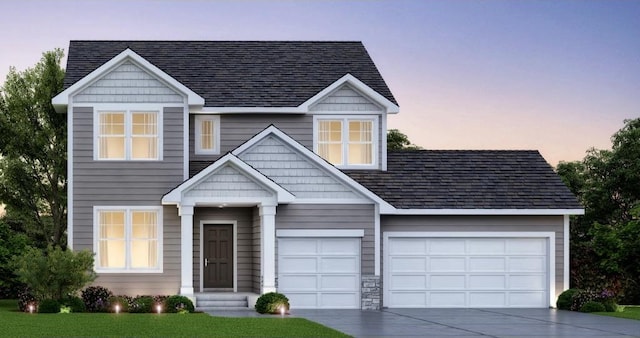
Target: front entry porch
{"type": "Point", "coordinates": [225, 301]}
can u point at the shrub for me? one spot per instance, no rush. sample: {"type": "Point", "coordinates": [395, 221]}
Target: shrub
{"type": "Point", "coordinates": [123, 301]}
{"type": "Point", "coordinates": [272, 302]}
{"type": "Point", "coordinates": [55, 273]}
{"type": "Point", "coordinates": [581, 297]}
{"type": "Point", "coordinates": [49, 306]}
{"type": "Point", "coordinates": [566, 298]}
{"type": "Point", "coordinates": [96, 298]}
{"type": "Point", "coordinates": [141, 304]}
{"type": "Point", "coordinates": [179, 304]}
{"type": "Point", "coordinates": [610, 305]}
{"type": "Point", "coordinates": [592, 306]}
{"type": "Point", "coordinates": [25, 297]}
{"type": "Point", "coordinates": [75, 304]}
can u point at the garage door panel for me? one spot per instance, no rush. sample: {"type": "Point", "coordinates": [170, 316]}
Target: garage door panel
{"type": "Point", "coordinates": [409, 282]}
{"type": "Point", "coordinates": [524, 299]}
{"type": "Point", "coordinates": [408, 264]}
{"type": "Point", "coordinates": [482, 246]}
{"type": "Point", "coordinates": [338, 282]}
{"type": "Point", "coordinates": [408, 299]}
{"type": "Point", "coordinates": [447, 264]}
{"type": "Point", "coordinates": [298, 265]}
{"type": "Point", "coordinates": [447, 299]}
{"type": "Point", "coordinates": [409, 246]}
{"type": "Point", "coordinates": [527, 282]}
{"type": "Point", "coordinates": [338, 264]}
{"type": "Point", "coordinates": [298, 282]}
{"type": "Point", "coordinates": [447, 282]}
{"type": "Point", "coordinates": [527, 264]}
{"type": "Point", "coordinates": [299, 247]}
{"type": "Point", "coordinates": [487, 299]}
{"type": "Point", "coordinates": [337, 246]}
{"type": "Point", "coordinates": [487, 264]}
{"type": "Point", "coordinates": [338, 300]}
{"type": "Point", "coordinates": [446, 247]}
{"type": "Point", "coordinates": [524, 246]}
{"type": "Point", "coordinates": [303, 300]}
{"type": "Point", "coordinates": [487, 282]}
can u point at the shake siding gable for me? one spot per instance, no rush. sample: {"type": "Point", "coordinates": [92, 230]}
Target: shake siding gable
{"type": "Point", "coordinates": [227, 181]}
{"type": "Point", "coordinates": [128, 83]}
{"type": "Point", "coordinates": [346, 99]}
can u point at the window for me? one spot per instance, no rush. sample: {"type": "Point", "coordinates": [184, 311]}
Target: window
{"type": "Point", "coordinates": [347, 142]}
{"type": "Point", "coordinates": [128, 239]}
{"type": "Point", "coordinates": [128, 135]}
{"type": "Point", "coordinates": [207, 134]}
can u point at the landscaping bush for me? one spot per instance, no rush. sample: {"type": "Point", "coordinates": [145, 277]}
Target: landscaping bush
{"type": "Point", "coordinates": [272, 302]}
{"type": "Point", "coordinates": [610, 305]}
{"type": "Point", "coordinates": [75, 304]}
{"type": "Point", "coordinates": [566, 299]}
{"type": "Point", "coordinates": [592, 306]}
{"type": "Point", "coordinates": [123, 301]}
{"type": "Point", "coordinates": [581, 297]}
{"type": "Point", "coordinates": [49, 306]}
{"type": "Point", "coordinates": [178, 304]}
{"type": "Point", "coordinates": [96, 298]}
{"type": "Point", "coordinates": [141, 304]}
{"type": "Point", "coordinates": [25, 297]}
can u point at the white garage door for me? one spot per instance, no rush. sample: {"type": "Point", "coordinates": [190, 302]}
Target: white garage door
{"type": "Point", "coordinates": [466, 272]}
{"type": "Point", "coordinates": [320, 272]}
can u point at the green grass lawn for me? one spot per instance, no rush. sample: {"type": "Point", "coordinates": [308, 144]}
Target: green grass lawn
{"type": "Point", "coordinates": [629, 312]}
{"type": "Point", "coordinates": [14, 323]}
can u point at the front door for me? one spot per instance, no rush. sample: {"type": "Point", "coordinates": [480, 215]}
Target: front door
{"type": "Point", "coordinates": [218, 256]}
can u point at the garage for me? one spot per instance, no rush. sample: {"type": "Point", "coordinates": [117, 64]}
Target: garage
{"type": "Point", "coordinates": [433, 270]}
{"type": "Point", "coordinates": [320, 273]}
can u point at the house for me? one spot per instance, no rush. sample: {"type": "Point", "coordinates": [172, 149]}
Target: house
{"type": "Point", "coordinates": [244, 167]}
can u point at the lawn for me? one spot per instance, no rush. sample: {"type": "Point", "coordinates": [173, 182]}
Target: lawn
{"type": "Point", "coordinates": [629, 312]}
{"type": "Point", "coordinates": [14, 323]}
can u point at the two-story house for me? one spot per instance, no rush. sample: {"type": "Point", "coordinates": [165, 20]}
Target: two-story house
{"type": "Point", "coordinates": [243, 167]}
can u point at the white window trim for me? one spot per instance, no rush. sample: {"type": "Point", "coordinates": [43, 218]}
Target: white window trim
{"type": "Point", "coordinates": [198, 134]}
{"type": "Point", "coordinates": [345, 138]}
{"type": "Point", "coordinates": [127, 210]}
{"type": "Point", "coordinates": [127, 109]}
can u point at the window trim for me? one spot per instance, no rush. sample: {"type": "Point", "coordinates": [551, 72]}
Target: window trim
{"type": "Point", "coordinates": [128, 110]}
{"type": "Point", "coordinates": [197, 128]}
{"type": "Point", "coordinates": [345, 119]}
{"type": "Point", "coordinates": [127, 210]}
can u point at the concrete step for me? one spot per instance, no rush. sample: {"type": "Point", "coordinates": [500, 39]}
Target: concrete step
{"type": "Point", "coordinates": [221, 296]}
{"type": "Point", "coordinates": [222, 309]}
{"type": "Point", "coordinates": [223, 303]}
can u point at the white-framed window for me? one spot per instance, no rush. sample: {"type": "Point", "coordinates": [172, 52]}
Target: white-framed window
{"type": "Point", "coordinates": [207, 134]}
{"type": "Point", "coordinates": [347, 142]}
{"type": "Point", "coordinates": [128, 239]}
{"type": "Point", "coordinates": [134, 134]}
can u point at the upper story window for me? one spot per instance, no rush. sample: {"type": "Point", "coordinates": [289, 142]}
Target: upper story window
{"type": "Point", "coordinates": [207, 134]}
{"type": "Point", "coordinates": [128, 135]}
{"type": "Point", "coordinates": [128, 239]}
{"type": "Point", "coordinates": [347, 142]}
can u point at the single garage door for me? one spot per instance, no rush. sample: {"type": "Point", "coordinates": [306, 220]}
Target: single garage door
{"type": "Point", "coordinates": [466, 272]}
{"type": "Point", "coordinates": [320, 272]}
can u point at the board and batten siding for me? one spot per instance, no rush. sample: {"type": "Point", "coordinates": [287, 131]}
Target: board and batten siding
{"type": "Point", "coordinates": [128, 183]}
{"type": "Point", "coordinates": [333, 216]}
{"type": "Point", "coordinates": [245, 250]}
{"type": "Point", "coordinates": [128, 83]}
{"type": "Point", "coordinates": [345, 99]}
{"type": "Point", "coordinates": [463, 224]}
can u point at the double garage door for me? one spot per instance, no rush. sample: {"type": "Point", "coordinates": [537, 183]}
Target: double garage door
{"type": "Point", "coordinates": [320, 272]}
{"type": "Point", "coordinates": [466, 272]}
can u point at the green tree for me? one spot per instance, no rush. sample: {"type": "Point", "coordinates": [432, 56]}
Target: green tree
{"type": "Point", "coordinates": [11, 243]}
{"type": "Point", "coordinates": [396, 140]}
{"type": "Point", "coordinates": [33, 138]}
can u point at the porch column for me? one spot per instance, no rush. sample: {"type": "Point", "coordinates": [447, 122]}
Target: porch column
{"type": "Point", "coordinates": [186, 249]}
{"type": "Point", "coordinates": [268, 245]}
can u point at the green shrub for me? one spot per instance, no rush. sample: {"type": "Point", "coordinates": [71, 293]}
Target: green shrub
{"type": "Point", "coordinates": [566, 298]}
{"type": "Point", "coordinates": [272, 302]}
{"type": "Point", "coordinates": [75, 304]}
{"type": "Point", "coordinates": [141, 304]}
{"type": "Point", "coordinates": [122, 301]}
{"type": "Point", "coordinates": [610, 305]}
{"type": "Point", "coordinates": [96, 298]}
{"type": "Point", "coordinates": [49, 306]}
{"type": "Point", "coordinates": [592, 306]}
{"type": "Point", "coordinates": [55, 273]}
{"type": "Point", "coordinates": [178, 304]}
{"type": "Point", "coordinates": [582, 297]}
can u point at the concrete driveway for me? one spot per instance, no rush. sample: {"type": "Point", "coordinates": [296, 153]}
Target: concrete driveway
{"type": "Point", "coordinates": [472, 323]}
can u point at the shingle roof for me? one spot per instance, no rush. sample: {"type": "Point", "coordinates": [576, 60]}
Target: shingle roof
{"type": "Point", "coordinates": [240, 73]}
{"type": "Point", "coordinates": [461, 179]}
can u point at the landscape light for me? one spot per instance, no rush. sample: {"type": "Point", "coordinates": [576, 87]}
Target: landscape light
{"type": "Point", "coordinates": [159, 308]}
{"type": "Point", "coordinates": [31, 308]}
{"type": "Point", "coordinates": [282, 311]}
{"type": "Point", "coordinates": [117, 307]}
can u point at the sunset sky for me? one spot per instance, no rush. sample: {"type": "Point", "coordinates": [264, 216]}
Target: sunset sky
{"type": "Point", "coordinates": [557, 76]}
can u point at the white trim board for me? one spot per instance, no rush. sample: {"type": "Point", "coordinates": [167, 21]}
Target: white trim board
{"type": "Point", "coordinates": [320, 233]}
{"type": "Point", "coordinates": [235, 250]}
{"type": "Point", "coordinates": [479, 212]}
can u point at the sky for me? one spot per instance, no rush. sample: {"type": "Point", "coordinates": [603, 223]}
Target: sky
{"type": "Point", "coordinates": [556, 76]}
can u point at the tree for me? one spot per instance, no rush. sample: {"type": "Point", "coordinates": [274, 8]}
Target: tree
{"type": "Point", "coordinates": [33, 138]}
{"type": "Point", "coordinates": [396, 140]}
{"type": "Point", "coordinates": [12, 243]}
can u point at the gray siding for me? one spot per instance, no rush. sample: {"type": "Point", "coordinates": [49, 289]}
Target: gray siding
{"type": "Point", "coordinates": [256, 254]}
{"type": "Point", "coordinates": [345, 99]}
{"type": "Point", "coordinates": [333, 216]}
{"type": "Point", "coordinates": [285, 166]}
{"type": "Point", "coordinates": [245, 250]}
{"type": "Point", "coordinates": [227, 182]}
{"type": "Point", "coordinates": [128, 83]}
{"type": "Point", "coordinates": [485, 223]}
{"type": "Point", "coordinates": [128, 183]}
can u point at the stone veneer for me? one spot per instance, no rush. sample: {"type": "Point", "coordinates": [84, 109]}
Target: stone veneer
{"type": "Point", "coordinates": [370, 293]}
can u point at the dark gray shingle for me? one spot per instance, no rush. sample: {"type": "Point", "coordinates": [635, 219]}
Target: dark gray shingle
{"type": "Point", "coordinates": [240, 73]}
{"type": "Point", "coordinates": [462, 179]}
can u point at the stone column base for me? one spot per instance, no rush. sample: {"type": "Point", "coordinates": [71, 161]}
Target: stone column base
{"type": "Point", "coordinates": [370, 293]}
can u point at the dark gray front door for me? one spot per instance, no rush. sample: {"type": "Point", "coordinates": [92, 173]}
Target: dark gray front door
{"type": "Point", "coordinates": [218, 256]}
